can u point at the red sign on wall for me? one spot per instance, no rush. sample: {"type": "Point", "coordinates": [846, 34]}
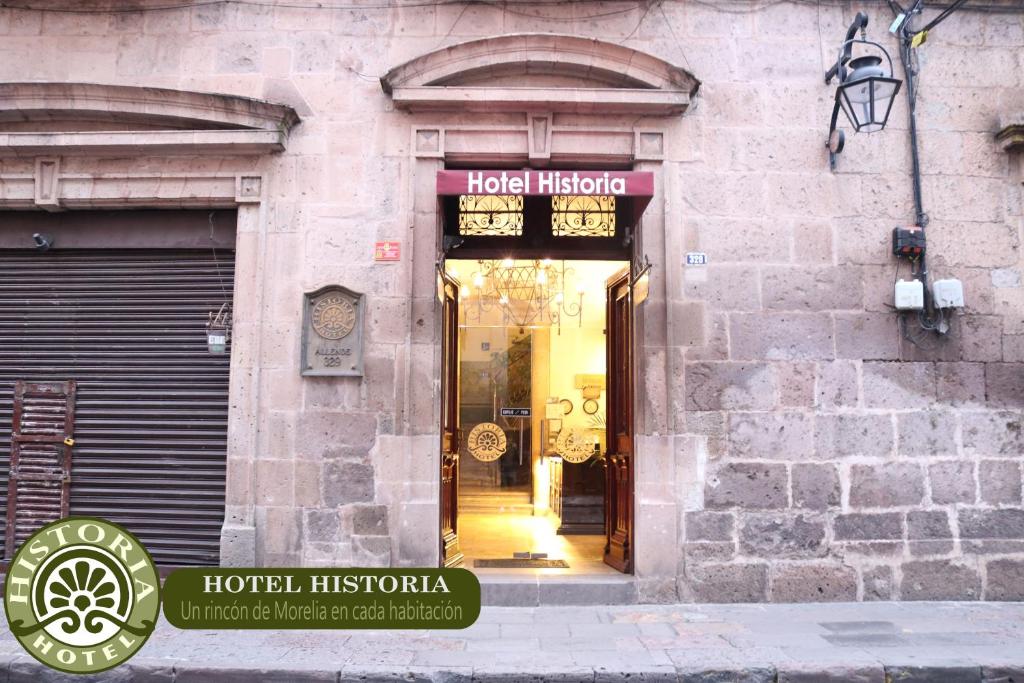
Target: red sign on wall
{"type": "Point", "coordinates": [387, 251]}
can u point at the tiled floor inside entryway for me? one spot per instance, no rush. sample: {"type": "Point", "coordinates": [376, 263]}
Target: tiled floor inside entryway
{"type": "Point", "coordinates": [499, 534]}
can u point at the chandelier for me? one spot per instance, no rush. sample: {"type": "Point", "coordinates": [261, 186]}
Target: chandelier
{"type": "Point", "coordinates": [522, 293]}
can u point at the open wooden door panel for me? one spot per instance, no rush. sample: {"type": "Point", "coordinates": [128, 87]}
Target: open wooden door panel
{"type": "Point", "coordinates": [448, 291]}
{"type": "Point", "coordinates": [618, 550]}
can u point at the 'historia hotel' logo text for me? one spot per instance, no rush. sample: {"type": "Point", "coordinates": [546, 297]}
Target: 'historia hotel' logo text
{"type": "Point", "coordinates": [82, 595]}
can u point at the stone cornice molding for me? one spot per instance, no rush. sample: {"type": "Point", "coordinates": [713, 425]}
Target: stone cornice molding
{"type": "Point", "coordinates": [171, 121]}
{"type": "Point", "coordinates": [108, 143]}
{"type": "Point", "coordinates": [606, 101]}
{"type": "Point", "coordinates": [52, 189]}
{"type": "Point", "coordinates": [613, 78]}
{"type": "Point", "coordinates": [173, 108]}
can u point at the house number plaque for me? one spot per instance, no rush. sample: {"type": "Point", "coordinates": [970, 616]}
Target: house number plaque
{"type": "Point", "coordinates": [332, 332]}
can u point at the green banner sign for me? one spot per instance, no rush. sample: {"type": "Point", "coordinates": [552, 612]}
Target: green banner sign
{"type": "Point", "coordinates": [220, 598]}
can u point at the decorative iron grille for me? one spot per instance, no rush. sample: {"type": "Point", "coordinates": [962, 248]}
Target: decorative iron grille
{"type": "Point", "coordinates": [490, 215]}
{"type": "Point", "coordinates": [583, 216]}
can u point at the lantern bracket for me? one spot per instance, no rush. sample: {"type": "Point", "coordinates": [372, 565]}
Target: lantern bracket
{"type": "Point", "coordinates": [836, 138]}
{"type": "Point", "coordinates": [860, 22]}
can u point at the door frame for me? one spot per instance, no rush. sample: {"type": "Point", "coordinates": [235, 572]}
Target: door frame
{"type": "Point", "coordinates": [495, 142]}
{"type": "Point", "coordinates": [449, 553]}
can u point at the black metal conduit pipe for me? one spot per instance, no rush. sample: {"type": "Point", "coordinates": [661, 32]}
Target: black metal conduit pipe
{"type": "Point", "coordinates": [921, 218]}
{"type": "Point", "coordinates": [915, 159]}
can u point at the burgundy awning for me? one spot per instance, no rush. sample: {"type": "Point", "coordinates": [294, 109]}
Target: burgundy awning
{"type": "Point", "coordinates": [637, 185]}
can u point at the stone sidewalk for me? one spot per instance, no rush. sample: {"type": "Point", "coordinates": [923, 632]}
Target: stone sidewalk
{"type": "Point", "coordinates": [806, 643]}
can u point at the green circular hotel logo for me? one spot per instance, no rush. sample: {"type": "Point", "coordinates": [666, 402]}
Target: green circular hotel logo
{"type": "Point", "coordinates": [82, 595]}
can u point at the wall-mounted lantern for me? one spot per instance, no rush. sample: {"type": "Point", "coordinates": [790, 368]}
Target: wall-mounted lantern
{"type": "Point", "coordinates": [217, 329]}
{"type": "Point", "coordinates": [866, 89]}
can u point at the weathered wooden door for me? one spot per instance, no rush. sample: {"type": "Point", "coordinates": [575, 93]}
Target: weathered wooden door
{"type": "Point", "coordinates": [448, 288]}
{"type": "Point", "coordinates": [42, 435]}
{"type": "Point", "coordinates": [618, 549]}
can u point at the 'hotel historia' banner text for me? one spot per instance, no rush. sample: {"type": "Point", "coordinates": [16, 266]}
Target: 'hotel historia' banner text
{"type": "Point", "coordinates": [546, 182]}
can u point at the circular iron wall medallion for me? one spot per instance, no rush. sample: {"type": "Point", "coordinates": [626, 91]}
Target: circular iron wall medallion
{"type": "Point", "coordinates": [334, 317]}
{"type": "Point", "coordinates": [487, 442]}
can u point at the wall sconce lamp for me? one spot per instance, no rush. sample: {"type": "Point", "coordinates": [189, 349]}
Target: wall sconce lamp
{"type": "Point", "coordinates": [641, 281]}
{"type": "Point", "coordinates": [218, 329]}
{"type": "Point", "coordinates": [865, 92]}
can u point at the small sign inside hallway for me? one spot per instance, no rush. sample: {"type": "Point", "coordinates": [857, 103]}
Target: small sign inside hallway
{"type": "Point", "coordinates": [516, 412]}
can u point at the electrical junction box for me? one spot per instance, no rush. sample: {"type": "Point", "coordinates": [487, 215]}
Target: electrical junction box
{"type": "Point", "coordinates": [948, 293]}
{"type": "Point", "coordinates": [909, 295]}
{"type": "Point", "coordinates": [908, 242]}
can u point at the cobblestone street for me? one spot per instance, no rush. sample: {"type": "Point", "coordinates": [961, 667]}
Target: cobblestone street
{"type": "Point", "coordinates": [867, 642]}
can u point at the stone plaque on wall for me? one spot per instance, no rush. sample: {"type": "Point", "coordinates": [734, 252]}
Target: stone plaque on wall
{"type": "Point", "coordinates": [332, 332]}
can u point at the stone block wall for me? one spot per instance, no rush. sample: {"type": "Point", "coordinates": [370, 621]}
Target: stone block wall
{"type": "Point", "coordinates": [879, 483]}
{"type": "Point", "coordinates": [850, 455]}
{"type": "Point", "coordinates": [819, 450]}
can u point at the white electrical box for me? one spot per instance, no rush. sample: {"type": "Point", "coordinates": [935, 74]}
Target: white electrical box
{"type": "Point", "coordinates": [948, 293]}
{"type": "Point", "coordinates": [909, 295]}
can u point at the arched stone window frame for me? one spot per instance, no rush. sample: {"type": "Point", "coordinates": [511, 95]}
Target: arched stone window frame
{"type": "Point", "coordinates": [94, 146]}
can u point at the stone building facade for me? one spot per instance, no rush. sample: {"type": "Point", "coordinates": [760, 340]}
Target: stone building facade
{"type": "Point", "coordinates": [795, 440]}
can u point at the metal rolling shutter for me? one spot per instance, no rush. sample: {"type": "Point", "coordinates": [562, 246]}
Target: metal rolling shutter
{"type": "Point", "coordinates": [128, 326]}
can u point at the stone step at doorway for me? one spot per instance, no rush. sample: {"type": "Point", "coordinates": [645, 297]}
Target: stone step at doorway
{"type": "Point", "coordinates": [495, 501]}
{"type": "Point", "coordinates": [532, 590]}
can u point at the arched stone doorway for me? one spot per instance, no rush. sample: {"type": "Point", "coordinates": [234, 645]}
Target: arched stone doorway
{"type": "Point", "coordinates": [541, 101]}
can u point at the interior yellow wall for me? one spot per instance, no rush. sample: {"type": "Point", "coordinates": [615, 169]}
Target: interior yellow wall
{"type": "Point", "coordinates": [574, 352]}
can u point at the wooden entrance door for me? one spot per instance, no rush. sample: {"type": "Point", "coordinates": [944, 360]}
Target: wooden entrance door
{"type": "Point", "coordinates": [448, 287]}
{"type": "Point", "coordinates": [618, 549]}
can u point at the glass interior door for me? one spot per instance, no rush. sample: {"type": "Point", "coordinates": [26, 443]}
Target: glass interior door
{"type": "Point", "coordinates": [496, 374]}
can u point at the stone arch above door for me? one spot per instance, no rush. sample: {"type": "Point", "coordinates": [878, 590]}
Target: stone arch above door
{"type": "Point", "coordinates": [549, 72]}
